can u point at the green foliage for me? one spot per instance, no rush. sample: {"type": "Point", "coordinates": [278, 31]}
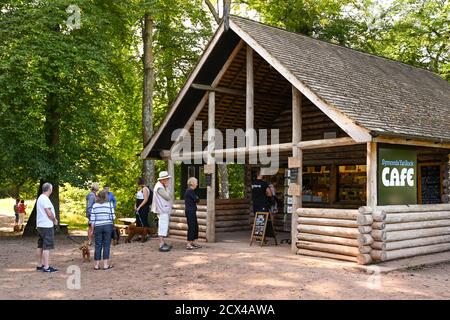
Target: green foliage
{"type": "Point", "coordinates": [86, 83]}
{"type": "Point", "coordinates": [416, 32]}
{"type": "Point", "coordinates": [236, 178]}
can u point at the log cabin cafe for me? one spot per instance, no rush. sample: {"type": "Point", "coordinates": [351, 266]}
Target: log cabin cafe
{"type": "Point", "coordinates": [369, 135]}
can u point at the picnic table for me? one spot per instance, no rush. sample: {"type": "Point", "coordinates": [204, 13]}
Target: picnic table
{"type": "Point", "coordinates": [127, 221]}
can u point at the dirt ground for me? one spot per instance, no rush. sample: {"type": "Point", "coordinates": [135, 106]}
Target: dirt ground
{"type": "Point", "coordinates": [229, 269]}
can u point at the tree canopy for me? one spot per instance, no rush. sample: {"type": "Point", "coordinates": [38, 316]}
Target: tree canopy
{"type": "Point", "coordinates": [71, 72]}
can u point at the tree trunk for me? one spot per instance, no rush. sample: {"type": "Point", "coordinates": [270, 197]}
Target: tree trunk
{"type": "Point", "coordinates": [52, 137]}
{"type": "Point", "coordinates": [223, 186]}
{"type": "Point", "coordinates": [52, 132]}
{"type": "Point", "coordinates": [148, 167]}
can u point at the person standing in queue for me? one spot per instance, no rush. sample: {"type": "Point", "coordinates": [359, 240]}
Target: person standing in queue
{"type": "Point", "coordinates": [190, 202]}
{"type": "Point", "coordinates": [162, 206]}
{"type": "Point", "coordinates": [144, 198]}
{"type": "Point", "coordinates": [90, 200]}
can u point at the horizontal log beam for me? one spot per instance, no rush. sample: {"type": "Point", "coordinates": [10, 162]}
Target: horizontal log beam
{"type": "Point", "coordinates": [415, 234]}
{"type": "Point", "coordinates": [351, 233]}
{"type": "Point", "coordinates": [410, 252]}
{"type": "Point", "coordinates": [319, 254]}
{"type": "Point", "coordinates": [327, 222]}
{"type": "Point", "coordinates": [331, 248]}
{"type": "Point", "coordinates": [184, 233]}
{"type": "Point", "coordinates": [239, 93]}
{"type": "Point", "coordinates": [328, 213]}
{"type": "Point", "coordinates": [328, 239]}
{"type": "Point", "coordinates": [325, 143]}
{"type": "Point", "coordinates": [415, 225]}
{"type": "Point", "coordinates": [412, 142]}
{"type": "Point", "coordinates": [184, 220]}
{"type": "Point", "coordinates": [411, 243]}
{"type": "Point", "coordinates": [415, 208]}
{"type": "Point", "coordinates": [416, 216]}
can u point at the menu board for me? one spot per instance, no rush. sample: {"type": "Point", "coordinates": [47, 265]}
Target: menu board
{"type": "Point", "coordinates": [430, 184]}
{"type": "Point", "coordinates": [262, 227]}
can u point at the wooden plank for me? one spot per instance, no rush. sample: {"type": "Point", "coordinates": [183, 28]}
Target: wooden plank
{"type": "Point", "coordinates": [412, 142]}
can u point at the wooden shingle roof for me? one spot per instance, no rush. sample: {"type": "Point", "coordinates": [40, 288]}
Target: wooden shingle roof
{"type": "Point", "coordinates": [365, 95]}
{"type": "Point", "coordinates": [384, 96]}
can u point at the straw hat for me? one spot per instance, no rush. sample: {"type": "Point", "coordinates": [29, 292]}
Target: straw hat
{"type": "Point", "coordinates": [163, 175]}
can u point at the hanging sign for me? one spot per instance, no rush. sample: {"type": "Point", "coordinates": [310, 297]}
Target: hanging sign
{"type": "Point", "coordinates": [397, 176]}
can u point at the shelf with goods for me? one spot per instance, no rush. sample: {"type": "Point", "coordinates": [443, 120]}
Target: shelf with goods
{"type": "Point", "coordinates": [316, 184]}
{"type": "Point", "coordinates": [352, 181]}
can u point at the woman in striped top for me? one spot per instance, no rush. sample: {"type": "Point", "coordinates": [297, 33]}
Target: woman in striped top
{"type": "Point", "coordinates": [102, 219]}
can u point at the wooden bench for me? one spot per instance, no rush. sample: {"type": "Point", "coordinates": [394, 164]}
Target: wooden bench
{"type": "Point", "coordinates": [123, 229]}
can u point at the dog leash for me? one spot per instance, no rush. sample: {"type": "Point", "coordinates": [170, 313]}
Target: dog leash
{"type": "Point", "coordinates": [139, 216]}
{"type": "Point", "coordinates": [69, 237]}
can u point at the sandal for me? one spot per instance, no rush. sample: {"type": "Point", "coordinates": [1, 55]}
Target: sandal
{"type": "Point", "coordinates": [190, 248]}
{"type": "Point", "coordinates": [97, 268]}
{"type": "Point", "coordinates": [109, 267]}
{"type": "Point", "coordinates": [196, 245]}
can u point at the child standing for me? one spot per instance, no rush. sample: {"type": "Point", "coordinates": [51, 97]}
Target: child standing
{"type": "Point", "coordinates": [22, 213]}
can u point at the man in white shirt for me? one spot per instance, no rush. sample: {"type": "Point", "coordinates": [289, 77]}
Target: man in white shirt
{"type": "Point", "coordinates": [45, 222]}
{"type": "Point", "coordinates": [162, 205]}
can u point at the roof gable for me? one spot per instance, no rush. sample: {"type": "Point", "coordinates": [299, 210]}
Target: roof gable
{"type": "Point", "coordinates": [364, 94]}
{"type": "Point", "coordinates": [382, 95]}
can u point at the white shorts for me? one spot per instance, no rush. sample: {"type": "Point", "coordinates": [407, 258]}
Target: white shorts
{"type": "Point", "coordinates": [163, 225]}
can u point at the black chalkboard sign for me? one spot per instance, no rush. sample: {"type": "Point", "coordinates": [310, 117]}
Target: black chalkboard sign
{"type": "Point", "coordinates": [263, 227]}
{"type": "Point", "coordinates": [430, 184]}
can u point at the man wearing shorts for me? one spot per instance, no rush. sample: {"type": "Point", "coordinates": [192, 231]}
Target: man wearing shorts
{"type": "Point", "coordinates": [162, 206]}
{"type": "Point", "coordinates": [45, 222]}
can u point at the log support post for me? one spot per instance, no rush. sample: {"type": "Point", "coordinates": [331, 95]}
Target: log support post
{"type": "Point", "coordinates": [249, 104]}
{"type": "Point", "coordinates": [211, 189]}
{"type": "Point", "coordinates": [298, 153]}
{"type": "Point", "coordinates": [171, 171]}
{"type": "Point", "coordinates": [372, 174]}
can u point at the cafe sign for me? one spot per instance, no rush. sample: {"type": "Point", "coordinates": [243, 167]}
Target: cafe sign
{"type": "Point", "coordinates": [397, 176]}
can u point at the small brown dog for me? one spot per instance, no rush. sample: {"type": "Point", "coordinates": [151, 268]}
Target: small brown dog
{"type": "Point", "coordinates": [86, 252]}
{"type": "Point", "coordinates": [17, 228]}
{"type": "Point", "coordinates": [142, 231]}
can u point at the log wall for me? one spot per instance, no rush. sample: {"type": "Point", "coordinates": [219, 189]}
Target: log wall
{"type": "Point", "coordinates": [334, 233]}
{"type": "Point", "coordinates": [178, 223]}
{"type": "Point", "coordinates": [408, 231]}
{"type": "Point", "coordinates": [232, 215]}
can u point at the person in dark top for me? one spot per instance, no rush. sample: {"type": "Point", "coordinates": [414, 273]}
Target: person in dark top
{"type": "Point", "coordinates": [144, 198]}
{"type": "Point", "coordinates": [190, 203]}
{"type": "Point", "coordinates": [260, 194]}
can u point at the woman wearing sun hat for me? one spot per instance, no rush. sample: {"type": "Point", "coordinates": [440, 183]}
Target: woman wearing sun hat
{"type": "Point", "coordinates": [162, 206]}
